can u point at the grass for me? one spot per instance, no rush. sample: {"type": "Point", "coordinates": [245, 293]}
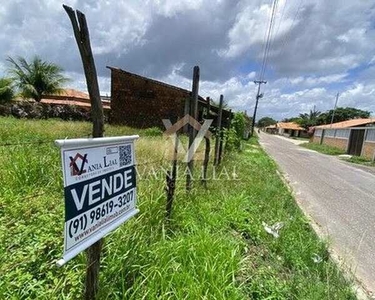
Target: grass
{"type": "Point", "coordinates": [325, 149]}
{"type": "Point", "coordinates": [361, 161]}
{"type": "Point", "coordinates": [214, 247]}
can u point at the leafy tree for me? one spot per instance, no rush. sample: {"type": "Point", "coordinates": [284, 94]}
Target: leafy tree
{"type": "Point", "coordinates": [310, 119]}
{"type": "Point", "coordinates": [293, 119]}
{"type": "Point", "coordinates": [266, 121]}
{"type": "Point", "coordinates": [342, 114]}
{"type": "Point", "coordinates": [36, 78]}
{"type": "Point", "coordinates": [6, 90]}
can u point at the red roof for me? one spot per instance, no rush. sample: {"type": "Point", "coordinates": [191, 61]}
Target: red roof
{"type": "Point", "coordinates": [72, 97]}
{"type": "Point", "coordinates": [349, 123]}
{"type": "Point", "coordinates": [289, 125]}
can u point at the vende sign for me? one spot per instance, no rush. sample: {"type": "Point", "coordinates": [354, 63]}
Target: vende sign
{"type": "Point", "coordinates": [99, 187]}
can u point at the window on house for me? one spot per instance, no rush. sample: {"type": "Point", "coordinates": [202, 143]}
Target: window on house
{"type": "Point", "coordinates": [318, 132]}
{"type": "Point", "coordinates": [329, 132]}
{"type": "Point", "coordinates": [370, 136]}
{"type": "Point", "coordinates": [343, 133]}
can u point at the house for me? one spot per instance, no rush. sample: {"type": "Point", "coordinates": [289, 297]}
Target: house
{"type": "Point", "coordinates": [142, 102]}
{"type": "Point", "coordinates": [73, 97]}
{"type": "Point", "coordinates": [355, 137]}
{"type": "Point", "coordinates": [271, 129]}
{"type": "Point", "coordinates": [291, 129]}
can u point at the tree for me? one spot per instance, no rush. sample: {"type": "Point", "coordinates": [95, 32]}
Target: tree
{"type": "Point", "coordinates": [310, 119]}
{"type": "Point", "coordinates": [6, 90]}
{"type": "Point", "coordinates": [293, 119]}
{"type": "Point", "coordinates": [266, 121]}
{"type": "Point", "coordinates": [342, 114]}
{"type": "Point", "coordinates": [36, 78]}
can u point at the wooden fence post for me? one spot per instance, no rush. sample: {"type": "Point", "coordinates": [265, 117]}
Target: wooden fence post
{"type": "Point", "coordinates": [222, 148]}
{"type": "Point", "coordinates": [81, 33]}
{"type": "Point", "coordinates": [218, 131]}
{"type": "Point", "coordinates": [192, 132]}
{"type": "Point", "coordinates": [171, 180]}
{"type": "Point", "coordinates": [208, 147]}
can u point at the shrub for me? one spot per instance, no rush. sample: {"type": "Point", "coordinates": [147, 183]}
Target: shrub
{"type": "Point", "coordinates": [153, 131]}
{"type": "Point", "coordinates": [6, 90]}
{"type": "Point", "coordinates": [236, 133]}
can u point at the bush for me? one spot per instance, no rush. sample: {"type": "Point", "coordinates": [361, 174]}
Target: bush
{"type": "Point", "coordinates": [153, 131]}
{"type": "Point", "coordinates": [235, 134]}
{"type": "Point", "coordinates": [6, 90]}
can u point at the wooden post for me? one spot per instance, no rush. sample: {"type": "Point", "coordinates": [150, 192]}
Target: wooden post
{"type": "Point", "coordinates": [81, 33]}
{"type": "Point", "coordinates": [192, 131]}
{"type": "Point", "coordinates": [207, 149]}
{"type": "Point", "coordinates": [218, 131]}
{"type": "Point", "coordinates": [171, 181]}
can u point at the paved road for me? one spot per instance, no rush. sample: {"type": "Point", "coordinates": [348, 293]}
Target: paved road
{"type": "Point", "coordinates": [340, 198]}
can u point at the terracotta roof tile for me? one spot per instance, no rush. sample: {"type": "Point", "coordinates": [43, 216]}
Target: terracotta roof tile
{"type": "Point", "coordinates": [289, 125]}
{"type": "Point", "coordinates": [349, 123]}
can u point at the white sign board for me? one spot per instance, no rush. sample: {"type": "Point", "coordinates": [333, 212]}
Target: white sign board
{"type": "Point", "coordinates": [99, 187]}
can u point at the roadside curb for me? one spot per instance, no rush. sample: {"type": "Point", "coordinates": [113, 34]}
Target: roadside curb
{"type": "Point", "coordinates": [358, 288]}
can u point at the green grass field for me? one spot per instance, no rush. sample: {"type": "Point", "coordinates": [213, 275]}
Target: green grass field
{"type": "Point", "coordinates": [214, 247]}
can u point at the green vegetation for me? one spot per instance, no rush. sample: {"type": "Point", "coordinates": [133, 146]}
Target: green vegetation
{"type": "Point", "coordinates": [314, 117]}
{"type": "Point", "coordinates": [361, 161]}
{"type": "Point", "coordinates": [235, 134]}
{"type": "Point", "coordinates": [325, 149]}
{"type": "Point", "coordinates": [215, 246]}
{"type": "Point", "coordinates": [153, 131]}
{"type": "Point", "coordinates": [36, 78]}
{"type": "Point", "coordinates": [310, 119]}
{"type": "Point", "coordinates": [6, 90]}
{"type": "Point", "coordinates": [266, 121]}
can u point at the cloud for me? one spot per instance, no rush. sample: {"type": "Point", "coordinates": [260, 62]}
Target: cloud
{"type": "Point", "coordinates": [317, 46]}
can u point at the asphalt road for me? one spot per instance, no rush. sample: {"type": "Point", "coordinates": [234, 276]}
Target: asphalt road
{"type": "Point", "coordinates": [338, 196]}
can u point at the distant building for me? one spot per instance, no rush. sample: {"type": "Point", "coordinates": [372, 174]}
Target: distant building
{"type": "Point", "coordinates": [355, 137]}
{"type": "Point", "coordinates": [143, 102]}
{"type": "Point", "coordinates": [73, 97]}
{"type": "Point", "coordinates": [271, 129]}
{"type": "Point", "coordinates": [288, 129]}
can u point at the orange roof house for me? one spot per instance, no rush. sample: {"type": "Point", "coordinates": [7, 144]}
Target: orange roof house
{"type": "Point", "coordinates": [72, 97]}
{"type": "Point", "coordinates": [348, 124]}
{"type": "Point", "coordinates": [291, 129]}
{"type": "Point", "coordinates": [289, 125]}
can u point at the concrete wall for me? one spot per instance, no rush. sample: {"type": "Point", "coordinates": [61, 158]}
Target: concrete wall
{"type": "Point", "coordinates": [336, 142]}
{"type": "Point", "coordinates": [368, 150]}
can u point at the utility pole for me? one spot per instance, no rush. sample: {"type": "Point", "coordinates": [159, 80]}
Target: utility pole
{"type": "Point", "coordinates": [258, 82]}
{"type": "Point", "coordinates": [334, 109]}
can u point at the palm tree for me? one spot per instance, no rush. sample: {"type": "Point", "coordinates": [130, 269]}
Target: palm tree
{"type": "Point", "coordinates": [310, 119]}
{"type": "Point", "coordinates": [37, 78]}
{"type": "Point", "coordinates": [6, 90]}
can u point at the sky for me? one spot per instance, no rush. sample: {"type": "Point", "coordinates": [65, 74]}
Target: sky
{"type": "Point", "coordinates": [318, 48]}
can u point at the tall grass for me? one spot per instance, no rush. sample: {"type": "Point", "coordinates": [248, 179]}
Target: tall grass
{"type": "Point", "coordinates": [214, 247]}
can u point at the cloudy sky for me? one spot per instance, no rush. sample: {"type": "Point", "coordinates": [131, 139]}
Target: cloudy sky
{"type": "Point", "coordinates": [319, 47]}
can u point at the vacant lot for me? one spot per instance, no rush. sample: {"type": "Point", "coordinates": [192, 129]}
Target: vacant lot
{"type": "Point", "coordinates": [215, 246]}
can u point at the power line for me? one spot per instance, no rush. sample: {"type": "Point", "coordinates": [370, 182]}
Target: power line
{"type": "Point", "coordinates": [268, 41]}
{"type": "Point", "coordinates": [281, 18]}
{"type": "Point", "coordinates": [284, 41]}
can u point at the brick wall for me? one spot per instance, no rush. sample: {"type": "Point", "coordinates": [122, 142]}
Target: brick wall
{"type": "Point", "coordinates": [316, 139]}
{"type": "Point", "coordinates": [139, 102]}
{"type": "Point", "coordinates": [368, 150]}
{"type": "Point", "coordinates": [334, 142]}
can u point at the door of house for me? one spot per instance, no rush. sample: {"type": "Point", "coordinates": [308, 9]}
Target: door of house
{"type": "Point", "coordinates": [356, 141]}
